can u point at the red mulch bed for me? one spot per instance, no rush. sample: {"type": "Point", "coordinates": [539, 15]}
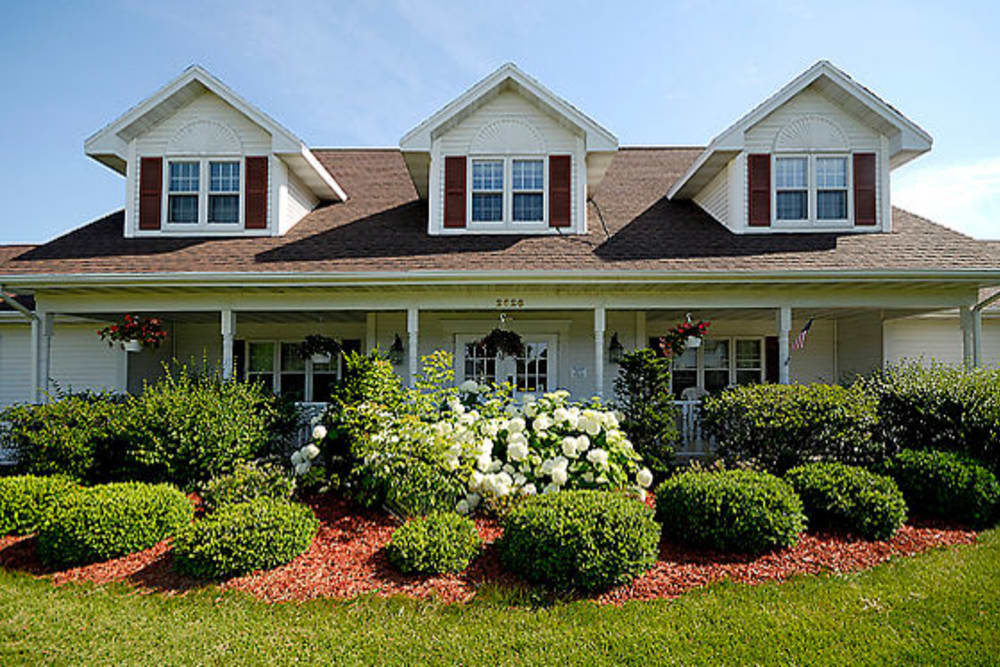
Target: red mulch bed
{"type": "Point", "coordinates": [347, 559]}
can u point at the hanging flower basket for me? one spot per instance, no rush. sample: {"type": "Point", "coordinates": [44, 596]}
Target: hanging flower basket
{"type": "Point", "coordinates": [321, 349]}
{"type": "Point", "coordinates": [503, 342]}
{"type": "Point", "coordinates": [683, 336]}
{"type": "Point", "coordinates": [133, 333]}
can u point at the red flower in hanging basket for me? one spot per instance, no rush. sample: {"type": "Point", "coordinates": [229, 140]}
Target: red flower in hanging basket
{"type": "Point", "coordinates": [148, 331]}
{"type": "Point", "coordinates": [674, 342]}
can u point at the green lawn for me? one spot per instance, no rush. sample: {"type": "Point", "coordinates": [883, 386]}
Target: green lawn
{"type": "Point", "coordinates": [941, 607]}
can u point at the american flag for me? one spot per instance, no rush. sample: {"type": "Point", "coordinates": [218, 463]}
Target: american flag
{"type": "Point", "coordinates": [800, 340]}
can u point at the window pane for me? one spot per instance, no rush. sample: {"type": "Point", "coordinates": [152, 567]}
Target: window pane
{"type": "Point", "coordinates": [716, 354]}
{"type": "Point", "coordinates": [224, 208]}
{"type": "Point", "coordinates": [487, 174]}
{"type": "Point", "coordinates": [831, 204]}
{"type": "Point", "coordinates": [182, 208]}
{"type": "Point", "coordinates": [261, 357]}
{"type": "Point", "coordinates": [293, 386]}
{"type": "Point", "coordinates": [682, 380]}
{"type": "Point", "coordinates": [533, 368]}
{"type": "Point", "coordinates": [323, 386]}
{"type": "Point", "coordinates": [748, 354]}
{"type": "Point", "coordinates": [748, 377]}
{"type": "Point", "coordinates": [687, 359]}
{"type": "Point", "coordinates": [831, 172]}
{"type": "Point", "coordinates": [716, 381]}
{"type": "Point", "coordinates": [290, 359]}
{"type": "Point", "coordinates": [528, 175]}
{"type": "Point", "coordinates": [528, 206]}
{"type": "Point", "coordinates": [478, 366]}
{"type": "Point", "coordinates": [224, 177]}
{"type": "Point", "coordinates": [790, 172]}
{"type": "Point", "coordinates": [184, 176]}
{"type": "Point", "coordinates": [792, 205]}
{"type": "Point", "coordinates": [487, 208]}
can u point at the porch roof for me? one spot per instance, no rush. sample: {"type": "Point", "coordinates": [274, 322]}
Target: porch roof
{"type": "Point", "coordinates": [382, 230]}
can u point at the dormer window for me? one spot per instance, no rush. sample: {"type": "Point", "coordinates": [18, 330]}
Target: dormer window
{"type": "Point", "coordinates": [487, 190]}
{"type": "Point", "coordinates": [811, 188]}
{"type": "Point", "coordinates": [831, 184]}
{"type": "Point", "coordinates": [529, 190]}
{"type": "Point", "coordinates": [203, 192]}
{"type": "Point", "coordinates": [507, 190]}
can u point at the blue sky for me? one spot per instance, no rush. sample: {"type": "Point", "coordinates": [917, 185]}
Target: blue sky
{"type": "Point", "coordinates": [363, 73]}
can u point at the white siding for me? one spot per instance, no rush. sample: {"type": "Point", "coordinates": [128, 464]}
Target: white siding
{"type": "Point", "coordinates": [294, 199]}
{"type": "Point", "coordinates": [859, 345]}
{"type": "Point", "coordinates": [927, 340]}
{"type": "Point", "coordinates": [15, 363]}
{"type": "Point", "coordinates": [508, 106]}
{"type": "Point", "coordinates": [714, 197]}
{"type": "Point", "coordinates": [860, 137]}
{"type": "Point", "coordinates": [253, 140]}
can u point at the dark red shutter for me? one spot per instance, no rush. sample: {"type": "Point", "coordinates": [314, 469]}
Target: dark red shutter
{"type": "Point", "coordinates": [560, 176]}
{"type": "Point", "coordinates": [255, 199]}
{"type": "Point", "coordinates": [864, 189]}
{"type": "Point", "coordinates": [759, 189]}
{"type": "Point", "coordinates": [150, 192]}
{"type": "Point", "coordinates": [771, 359]}
{"type": "Point", "coordinates": [454, 191]}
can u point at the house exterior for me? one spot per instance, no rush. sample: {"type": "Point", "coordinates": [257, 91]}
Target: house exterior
{"type": "Point", "coordinates": [508, 201]}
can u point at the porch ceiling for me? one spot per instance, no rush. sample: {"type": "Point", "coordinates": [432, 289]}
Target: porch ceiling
{"type": "Point", "coordinates": [756, 314]}
{"type": "Point", "coordinates": [247, 317]}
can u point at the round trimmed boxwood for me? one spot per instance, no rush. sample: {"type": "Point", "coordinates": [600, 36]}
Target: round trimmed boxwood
{"type": "Point", "coordinates": [439, 542]}
{"type": "Point", "coordinates": [849, 497]}
{"type": "Point", "coordinates": [585, 539]}
{"type": "Point", "coordinates": [734, 510]}
{"type": "Point", "coordinates": [25, 501]}
{"type": "Point", "coordinates": [236, 539]}
{"type": "Point", "coordinates": [103, 522]}
{"type": "Point", "coordinates": [946, 485]}
{"type": "Point", "coordinates": [248, 481]}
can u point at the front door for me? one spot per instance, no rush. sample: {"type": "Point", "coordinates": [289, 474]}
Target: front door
{"type": "Point", "coordinates": [533, 372]}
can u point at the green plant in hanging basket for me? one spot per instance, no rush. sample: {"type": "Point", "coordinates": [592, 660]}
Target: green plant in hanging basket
{"type": "Point", "coordinates": [316, 345]}
{"type": "Point", "coordinates": [504, 342]}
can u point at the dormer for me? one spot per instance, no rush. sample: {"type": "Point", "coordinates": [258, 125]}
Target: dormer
{"type": "Point", "coordinates": [507, 157]}
{"type": "Point", "coordinates": [199, 160]}
{"type": "Point", "coordinates": [814, 157]}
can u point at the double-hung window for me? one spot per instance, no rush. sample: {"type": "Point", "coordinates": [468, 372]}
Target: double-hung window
{"type": "Point", "coordinates": [813, 188]}
{"type": "Point", "coordinates": [831, 188]}
{"type": "Point", "coordinates": [714, 366]}
{"type": "Point", "coordinates": [528, 182]}
{"type": "Point", "coordinates": [791, 184]}
{"type": "Point", "coordinates": [203, 192]}
{"type": "Point", "coordinates": [279, 366]}
{"type": "Point", "coordinates": [487, 190]}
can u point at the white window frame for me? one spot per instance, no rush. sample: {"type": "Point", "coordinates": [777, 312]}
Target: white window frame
{"type": "Point", "coordinates": [552, 372]}
{"type": "Point", "coordinates": [812, 218]}
{"type": "Point", "coordinates": [507, 222]}
{"type": "Point", "coordinates": [276, 365]}
{"type": "Point", "coordinates": [204, 176]}
{"type": "Point", "coordinates": [700, 364]}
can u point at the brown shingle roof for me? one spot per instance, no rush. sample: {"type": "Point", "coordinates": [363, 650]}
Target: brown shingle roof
{"type": "Point", "coordinates": [383, 227]}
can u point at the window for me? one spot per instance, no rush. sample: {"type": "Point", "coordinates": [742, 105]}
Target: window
{"type": "Point", "coordinates": [182, 200]}
{"type": "Point", "coordinates": [293, 373]}
{"type": "Point", "coordinates": [791, 183]}
{"type": "Point", "coordinates": [534, 371]}
{"type": "Point", "coordinates": [831, 188]}
{"type": "Point", "coordinates": [479, 366]}
{"type": "Point", "coordinates": [487, 190]}
{"type": "Point", "coordinates": [533, 368]}
{"type": "Point", "coordinates": [204, 192]}
{"type": "Point", "coordinates": [224, 192]}
{"type": "Point", "coordinates": [281, 369]}
{"type": "Point", "coordinates": [713, 367]}
{"type": "Point", "coordinates": [260, 363]}
{"type": "Point", "coordinates": [529, 190]}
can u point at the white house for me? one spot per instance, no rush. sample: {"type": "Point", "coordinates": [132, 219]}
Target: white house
{"type": "Point", "coordinates": [509, 200]}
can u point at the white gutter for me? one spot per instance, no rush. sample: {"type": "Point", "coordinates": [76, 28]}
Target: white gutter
{"type": "Point", "coordinates": [13, 303]}
{"type": "Point", "coordinates": [381, 278]}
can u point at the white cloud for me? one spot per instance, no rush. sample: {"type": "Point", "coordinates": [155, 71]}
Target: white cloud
{"type": "Point", "coordinates": [965, 196]}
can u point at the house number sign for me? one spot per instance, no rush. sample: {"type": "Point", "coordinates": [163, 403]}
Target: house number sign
{"type": "Point", "coordinates": [510, 303]}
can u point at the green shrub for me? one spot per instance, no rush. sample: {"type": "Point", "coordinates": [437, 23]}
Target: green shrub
{"type": "Point", "coordinates": [257, 535]}
{"type": "Point", "coordinates": [849, 497]}
{"type": "Point", "coordinates": [947, 485]}
{"type": "Point", "coordinates": [186, 428]}
{"type": "Point", "coordinates": [26, 501]}
{"type": "Point", "coordinates": [650, 416]}
{"type": "Point", "coordinates": [580, 539]}
{"type": "Point", "coordinates": [441, 542]}
{"type": "Point", "coordinates": [939, 407]}
{"type": "Point", "coordinates": [781, 426]}
{"type": "Point", "coordinates": [735, 510]}
{"type": "Point", "coordinates": [248, 481]}
{"type": "Point", "coordinates": [112, 520]}
{"type": "Point", "coordinates": [67, 436]}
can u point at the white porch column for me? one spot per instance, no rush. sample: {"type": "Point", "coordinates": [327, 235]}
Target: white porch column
{"type": "Point", "coordinates": [977, 337]}
{"type": "Point", "coordinates": [784, 329]}
{"type": "Point", "coordinates": [599, 326]}
{"type": "Point", "coordinates": [228, 334]}
{"type": "Point", "coordinates": [371, 336]}
{"type": "Point", "coordinates": [41, 346]}
{"type": "Point", "coordinates": [412, 337]}
{"type": "Point", "coordinates": [965, 319]}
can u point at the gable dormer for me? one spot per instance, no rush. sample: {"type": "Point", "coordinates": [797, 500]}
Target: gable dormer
{"type": "Point", "coordinates": [814, 157]}
{"type": "Point", "coordinates": [199, 160]}
{"type": "Point", "coordinates": [507, 157]}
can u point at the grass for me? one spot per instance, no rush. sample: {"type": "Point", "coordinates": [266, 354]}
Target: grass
{"type": "Point", "coordinates": [941, 607]}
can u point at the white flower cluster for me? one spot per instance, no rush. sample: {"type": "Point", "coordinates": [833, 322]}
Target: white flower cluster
{"type": "Point", "coordinates": [302, 459]}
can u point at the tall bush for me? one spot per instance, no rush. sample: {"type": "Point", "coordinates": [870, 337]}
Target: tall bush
{"type": "Point", "coordinates": [939, 407]}
{"type": "Point", "coordinates": [649, 416]}
{"type": "Point", "coordinates": [782, 426]}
